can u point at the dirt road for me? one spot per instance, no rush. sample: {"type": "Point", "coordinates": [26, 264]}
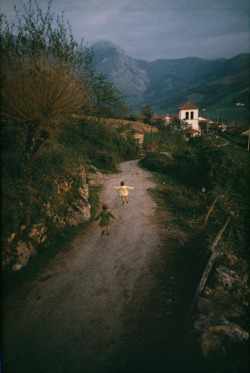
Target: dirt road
{"type": "Point", "coordinates": [75, 317]}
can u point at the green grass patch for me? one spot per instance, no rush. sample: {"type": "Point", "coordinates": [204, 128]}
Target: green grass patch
{"type": "Point", "coordinates": [94, 200]}
{"type": "Point", "coordinates": [148, 140]}
{"type": "Point", "coordinates": [231, 114]}
{"type": "Point", "coordinates": [31, 185]}
{"type": "Point", "coordinates": [184, 203]}
{"type": "Point", "coordinates": [241, 141]}
{"type": "Point", "coordinates": [220, 170]}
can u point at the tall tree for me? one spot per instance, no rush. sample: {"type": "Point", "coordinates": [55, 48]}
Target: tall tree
{"type": "Point", "coordinates": [44, 73]}
{"type": "Point", "coordinates": [147, 111]}
{"type": "Point", "coordinates": [179, 125]}
{"type": "Point", "coordinates": [107, 101]}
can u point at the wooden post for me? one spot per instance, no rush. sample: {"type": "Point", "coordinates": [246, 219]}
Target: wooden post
{"type": "Point", "coordinates": [151, 130]}
{"type": "Point", "coordinates": [212, 207]}
{"type": "Point", "coordinates": [218, 237]}
{"type": "Point", "coordinates": [209, 264]}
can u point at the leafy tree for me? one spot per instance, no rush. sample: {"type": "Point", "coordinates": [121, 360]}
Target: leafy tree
{"type": "Point", "coordinates": [179, 125]}
{"type": "Point", "coordinates": [44, 73]}
{"type": "Point", "coordinates": [147, 111]}
{"type": "Point", "coordinates": [107, 100]}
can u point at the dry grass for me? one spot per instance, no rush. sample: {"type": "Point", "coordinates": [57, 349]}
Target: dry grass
{"type": "Point", "coordinates": [116, 123]}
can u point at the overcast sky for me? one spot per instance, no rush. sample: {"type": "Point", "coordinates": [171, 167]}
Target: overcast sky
{"type": "Point", "coordinates": [153, 29]}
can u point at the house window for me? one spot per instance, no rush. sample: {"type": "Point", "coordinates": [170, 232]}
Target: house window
{"type": "Point", "coordinates": [187, 115]}
{"type": "Point", "coordinates": [192, 115]}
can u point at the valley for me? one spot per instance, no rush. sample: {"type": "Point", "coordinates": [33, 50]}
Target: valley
{"type": "Point", "coordinates": [166, 85]}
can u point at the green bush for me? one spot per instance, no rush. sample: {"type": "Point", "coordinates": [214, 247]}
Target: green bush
{"type": "Point", "coordinates": [220, 171]}
{"type": "Point", "coordinates": [186, 202]}
{"type": "Point", "coordinates": [201, 164]}
{"type": "Point", "coordinates": [28, 185]}
{"type": "Point", "coordinates": [100, 144]}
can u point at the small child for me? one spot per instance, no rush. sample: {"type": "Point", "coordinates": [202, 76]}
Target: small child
{"type": "Point", "coordinates": [123, 191]}
{"type": "Point", "coordinates": [105, 219]}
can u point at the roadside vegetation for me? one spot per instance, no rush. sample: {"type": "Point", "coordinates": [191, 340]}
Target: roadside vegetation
{"type": "Point", "coordinates": [49, 86]}
{"type": "Point", "coordinates": [195, 174]}
{"type": "Point", "coordinates": [204, 183]}
{"type": "Point", "coordinates": [29, 186]}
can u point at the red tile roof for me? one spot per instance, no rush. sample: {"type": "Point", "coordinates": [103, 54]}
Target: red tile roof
{"type": "Point", "coordinates": [188, 107]}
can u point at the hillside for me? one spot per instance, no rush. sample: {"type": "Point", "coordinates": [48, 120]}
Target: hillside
{"type": "Point", "coordinates": [44, 197]}
{"type": "Point", "coordinates": [125, 73]}
{"type": "Point", "coordinates": [166, 84]}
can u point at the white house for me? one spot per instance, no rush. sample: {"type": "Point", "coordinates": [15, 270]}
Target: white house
{"type": "Point", "coordinates": [190, 114]}
{"type": "Point", "coordinates": [137, 131]}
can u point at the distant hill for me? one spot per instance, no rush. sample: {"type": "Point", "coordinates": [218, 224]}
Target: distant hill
{"type": "Point", "coordinates": [166, 84]}
{"type": "Point", "coordinates": [125, 72]}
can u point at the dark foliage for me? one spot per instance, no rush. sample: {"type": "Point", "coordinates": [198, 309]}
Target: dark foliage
{"type": "Point", "coordinates": [200, 171]}
{"type": "Point", "coordinates": [28, 185]}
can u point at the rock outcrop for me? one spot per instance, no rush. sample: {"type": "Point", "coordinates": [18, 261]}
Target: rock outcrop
{"type": "Point", "coordinates": [221, 321]}
{"type": "Point", "coordinates": [73, 208]}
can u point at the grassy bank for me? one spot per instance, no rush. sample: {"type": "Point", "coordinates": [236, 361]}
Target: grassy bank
{"type": "Point", "coordinates": [30, 193]}
{"type": "Point", "coordinates": [191, 177]}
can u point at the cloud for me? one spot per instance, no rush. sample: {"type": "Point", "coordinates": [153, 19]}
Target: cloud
{"type": "Point", "coordinates": [150, 35]}
{"type": "Point", "coordinates": [154, 5]}
{"type": "Point", "coordinates": [150, 29]}
{"type": "Point", "coordinates": [139, 5]}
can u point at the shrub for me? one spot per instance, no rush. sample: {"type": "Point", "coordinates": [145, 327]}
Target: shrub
{"type": "Point", "coordinates": [98, 143]}
{"type": "Point", "coordinates": [221, 171]}
{"type": "Point", "coordinates": [28, 185]}
{"type": "Point", "coordinates": [51, 70]}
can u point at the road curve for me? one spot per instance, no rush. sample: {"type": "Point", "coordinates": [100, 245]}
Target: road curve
{"type": "Point", "coordinates": [70, 319]}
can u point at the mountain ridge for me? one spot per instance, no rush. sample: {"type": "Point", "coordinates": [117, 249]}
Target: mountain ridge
{"type": "Point", "coordinates": [112, 60]}
{"type": "Point", "coordinates": [166, 84]}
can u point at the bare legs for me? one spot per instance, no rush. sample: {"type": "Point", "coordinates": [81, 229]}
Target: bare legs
{"type": "Point", "coordinates": [108, 230]}
{"type": "Point", "coordinates": [126, 198]}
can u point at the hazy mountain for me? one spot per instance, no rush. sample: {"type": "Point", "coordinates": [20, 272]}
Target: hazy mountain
{"type": "Point", "coordinates": [166, 84]}
{"type": "Point", "coordinates": [125, 73]}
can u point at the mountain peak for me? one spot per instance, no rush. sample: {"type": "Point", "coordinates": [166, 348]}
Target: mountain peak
{"type": "Point", "coordinates": [165, 84]}
{"type": "Point", "coordinates": [104, 45]}
{"type": "Point", "coordinates": [123, 71]}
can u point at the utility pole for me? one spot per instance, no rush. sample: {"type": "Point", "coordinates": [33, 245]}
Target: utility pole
{"type": "Point", "coordinates": [151, 130]}
{"type": "Point", "coordinates": [151, 126]}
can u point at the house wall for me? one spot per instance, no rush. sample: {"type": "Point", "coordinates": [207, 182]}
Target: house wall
{"type": "Point", "coordinates": [139, 137]}
{"type": "Point", "coordinates": [188, 112]}
{"type": "Point", "coordinates": [167, 119]}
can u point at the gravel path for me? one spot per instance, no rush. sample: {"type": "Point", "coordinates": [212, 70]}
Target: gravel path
{"type": "Point", "coordinates": [71, 318]}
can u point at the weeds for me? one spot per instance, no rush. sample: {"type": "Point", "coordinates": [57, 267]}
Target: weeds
{"type": "Point", "coordinates": [193, 175]}
{"type": "Point", "coordinates": [30, 186]}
